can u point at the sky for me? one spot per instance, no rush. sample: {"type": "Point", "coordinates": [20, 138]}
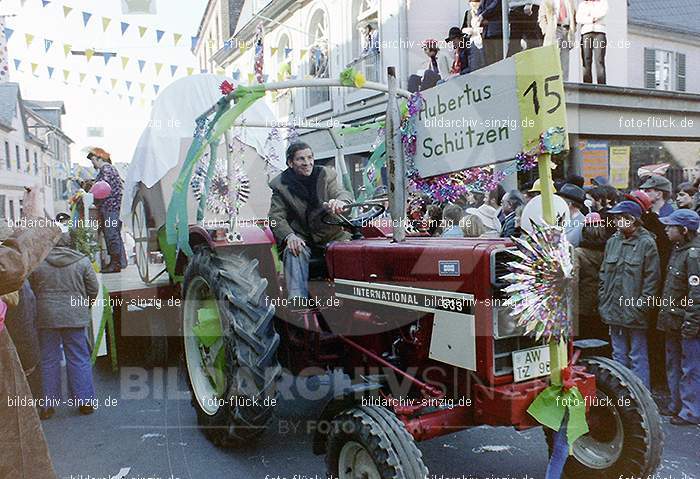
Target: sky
{"type": "Point", "coordinates": [122, 122]}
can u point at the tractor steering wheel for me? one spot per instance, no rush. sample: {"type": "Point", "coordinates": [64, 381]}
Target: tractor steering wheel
{"type": "Point", "coordinates": [363, 213]}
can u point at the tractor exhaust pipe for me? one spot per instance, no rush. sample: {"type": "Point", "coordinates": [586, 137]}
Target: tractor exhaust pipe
{"type": "Point", "coordinates": [395, 162]}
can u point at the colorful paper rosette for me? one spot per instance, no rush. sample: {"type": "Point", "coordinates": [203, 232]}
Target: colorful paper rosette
{"type": "Point", "coordinates": [541, 288]}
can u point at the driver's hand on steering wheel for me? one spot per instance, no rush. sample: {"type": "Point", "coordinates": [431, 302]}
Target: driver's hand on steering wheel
{"type": "Point", "coordinates": [295, 244]}
{"type": "Point", "coordinates": [336, 206]}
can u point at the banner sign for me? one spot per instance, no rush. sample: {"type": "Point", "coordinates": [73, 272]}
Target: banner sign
{"type": "Point", "coordinates": [491, 115]}
{"type": "Point", "coordinates": [620, 166]}
{"type": "Point", "coordinates": [594, 159]}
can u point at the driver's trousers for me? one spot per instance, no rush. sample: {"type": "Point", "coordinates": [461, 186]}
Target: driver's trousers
{"type": "Point", "coordinates": [296, 273]}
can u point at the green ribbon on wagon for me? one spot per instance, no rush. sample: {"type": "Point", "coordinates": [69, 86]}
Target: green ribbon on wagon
{"type": "Point", "coordinates": [549, 407]}
{"type": "Point", "coordinates": [177, 222]}
{"type": "Point", "coordinates": [106, 324]}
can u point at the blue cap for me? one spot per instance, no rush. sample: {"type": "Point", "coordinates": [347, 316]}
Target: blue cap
{"type": "Point", "coordinates": [687, 218]}
{"type": "Point", "coordinates": [626, 207]}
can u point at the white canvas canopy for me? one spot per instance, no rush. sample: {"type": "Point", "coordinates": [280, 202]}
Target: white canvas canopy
{"type": "Point", "coordinates": [172, 124]}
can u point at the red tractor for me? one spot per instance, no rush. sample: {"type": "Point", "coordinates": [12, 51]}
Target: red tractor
{"type": "Point", "coordinates": [419, 326]}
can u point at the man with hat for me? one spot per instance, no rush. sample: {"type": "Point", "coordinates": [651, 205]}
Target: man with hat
{"type": "Point", "coordinates": [574, 197]}
{"type": "Point", "coordinates": [460, 63]}
{"type": "Point", "coordinates": [629, 281]}
{"type": "Point", "coordinates": [658, 188]}
{"type": "Point", "coordinates": [679, 318]}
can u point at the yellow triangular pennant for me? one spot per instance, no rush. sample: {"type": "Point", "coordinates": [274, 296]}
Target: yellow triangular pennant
{"type": "Point", "coordinates": [89, 54]}
{"type": "Point", "coordinates": [66, 10]}
{"type": "Point", "coordinates": [114, 83]}
{"type": "Point", "coordinates": [34, 67]}
{"type": "Point", "coordinates": [105, 23]}
{"type": "Point", "coordinates": [142, 31]}
{"type": "Point", "coordinates": [302, 52]}
{"type": "Point", "coordinates": [67, 47]}
{"type": "Point", "coordinates": [66, 74]}
{"type": "Point", "coordinates": [142, 86]}
{"type": "Point", "coordinates": [273, 50]}
{"type": "Point", "coordinates": [176, 38]}
{"type": "Point", "coordinates": [82, 77]}
{"type": "Point", "coordinates": [159, 66]}
{"type": "Point", "coordinates": [125, 60]}
{"type": "Point", "coordinates": [190, 71]}
{"type": "Point", "coordinates": [29, 38]}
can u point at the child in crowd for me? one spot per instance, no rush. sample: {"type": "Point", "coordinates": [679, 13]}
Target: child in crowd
{"type": "Point", "coordinates": [629, 281]}
{"type": "Point", "coordinates": [679, 318]}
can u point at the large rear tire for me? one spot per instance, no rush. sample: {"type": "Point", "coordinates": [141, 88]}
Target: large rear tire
{"type": "Point", "coordinates": [370, 442]}
{"type": "Point", "coordinates": [235, 412]}
{"type": "Point", "coordinates": [626, 437]}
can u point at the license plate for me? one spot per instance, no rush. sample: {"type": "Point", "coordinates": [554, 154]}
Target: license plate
{"type": "Point", "coordinates": [530, 363]}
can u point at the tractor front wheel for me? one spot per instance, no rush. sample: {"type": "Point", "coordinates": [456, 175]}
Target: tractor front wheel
{"type": "Point", "coordinates": [371, 443]}
{"type": "Point", "coordinates": [625, 437]}
{"type": "Point", "coordinates": [230, 347]}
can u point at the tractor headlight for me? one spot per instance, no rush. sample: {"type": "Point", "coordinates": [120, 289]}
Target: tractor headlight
{"type": "Point", "coordinates": [505, 325]}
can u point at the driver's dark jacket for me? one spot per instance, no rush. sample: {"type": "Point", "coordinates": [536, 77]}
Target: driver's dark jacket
{"type": "Point", "coordinates": [629, 272]}
{"type": "Point", "coordinates": [682, 286]}
{"type": "Point", "coordinates": [290, 213]}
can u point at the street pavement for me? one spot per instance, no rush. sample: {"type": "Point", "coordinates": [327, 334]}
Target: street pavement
{"type": "Point", "coordinates": [149, 430]}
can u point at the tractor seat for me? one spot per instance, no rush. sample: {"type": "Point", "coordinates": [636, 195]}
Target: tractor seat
{"type": "Point", "coordinates": [317, 263]}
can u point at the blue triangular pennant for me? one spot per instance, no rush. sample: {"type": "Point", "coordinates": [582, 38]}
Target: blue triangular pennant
{"type": "Point", "coordinates": [237, 75]}
{"type": "Point", "coordinates": [128, 85]}
{"type": "Point", "coordinates": [125, 27]}
{"type": "Point", "coordinates": [108, 56]}
{"type": "Point", "coordinates": [17, 64]}
{"type": "Point", "coordinates": [50, 69]}
{"type": "Point", "coordinates": [194, 42]}
{"type": "Point", "coordinates": [131, 100]}
{"type": "Point", "coordinates": [287, 51]}
{"type": "Point", "coordinates": [45, 2]}
{"type": "Point", "coordinates": [47, 44]}
{"type": "Point", "coordinates": [8, 33]}
{"type": "Point", "coordinates": [159, 35]}
{"type": "Point", "coordinates": [98, 78]}
{"type": "Point", "coordinates": [142, 63]}
{"type": "Point", "coordinates": [173, 69]}
{"type": "Point", "coordinates": [86, 18]}
{"type": "Point", "coordinates": [156, 88]}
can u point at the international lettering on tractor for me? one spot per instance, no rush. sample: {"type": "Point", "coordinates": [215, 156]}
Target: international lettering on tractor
{"type": "Point", "coordinates": [420, 329]}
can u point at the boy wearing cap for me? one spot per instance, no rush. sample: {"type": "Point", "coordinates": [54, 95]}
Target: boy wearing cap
{"type": "Point", "coordinates": [629, 281]}
{"type": "Point", "coordinates": [679, 318]}
{"type": "Point", "coordinates": [658, 188]}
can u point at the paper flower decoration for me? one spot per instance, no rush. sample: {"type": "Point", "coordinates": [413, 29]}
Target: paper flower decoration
{"type": "Point", "coordinates": [351, 77]}
{"type": "Point", "coordinates": [226, 87]}
{"type": "Point", "coordinates": [542, 283]}
{"type": "Point", "coordinates": [218, 198]}
{"type": "Point", "coordinates": [553, 140]}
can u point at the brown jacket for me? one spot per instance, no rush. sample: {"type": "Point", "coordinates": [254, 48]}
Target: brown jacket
{"type": "Point", "coordinates": [291, 213]}
{"type": "Point", "coordinates": [22, 252]}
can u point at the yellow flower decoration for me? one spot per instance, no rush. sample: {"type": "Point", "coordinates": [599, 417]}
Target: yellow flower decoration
{"type": "Point", "coordinates": [360, 79]}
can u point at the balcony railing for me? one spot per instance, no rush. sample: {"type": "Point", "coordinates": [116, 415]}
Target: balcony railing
{"type": "Point", "coordinates": [369, 64]}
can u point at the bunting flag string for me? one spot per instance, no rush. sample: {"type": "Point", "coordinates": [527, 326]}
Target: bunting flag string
{"type": "Point", "coordinates": [159, 67]}
{"type": "Point", "coordinates": [50, 70]}
{"type": "Point", "coordinates": [66, 11]}
{"type": "Point", "coordinates": [159, 35]}
{"type": "Point", "coordinates": [142, 31]}
{"type": "Point", "coordinates": [125, 27]}
{"type": "Point", "coordinates": [89, 53]}
{"type": "Point", "coordinates": [86, 18]}
{"type": "Point", "coordinates": [125, 61]}
{"type": "Point", "coordinates": [176, 38]}
{"type": "Point", "coordinates": [105, 23]}
{"type": "Point", "coordinates": [142, 64]}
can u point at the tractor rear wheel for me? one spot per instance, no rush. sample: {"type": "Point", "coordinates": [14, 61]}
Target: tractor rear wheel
{"type": "Point", "coordinates": [230, 347]}
{"type": "Point", "coordinates": [626, 437]}
{"type": "Point", "coordinates": [370, 442]}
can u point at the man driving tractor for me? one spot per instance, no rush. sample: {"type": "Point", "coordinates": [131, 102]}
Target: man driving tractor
{"type": "Point", "coordinates": [301, 195]}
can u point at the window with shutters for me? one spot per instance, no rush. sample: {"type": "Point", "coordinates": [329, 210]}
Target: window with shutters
{"type": "Point", "coordinates": [8, 161]}
{"type": "Point", "coordinates": [19, 159]}
{"type": "Point", "coordinates": [3, 213]}
{"type": "Point", "coordinates": [664, 70]}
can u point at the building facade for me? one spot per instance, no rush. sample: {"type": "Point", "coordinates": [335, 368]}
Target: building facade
{"type": "Point", "coordinates": [29, 148]}
{"type": "Point", "coordinates": [320, 38]}
{"type": "Point", "coordinates": [217, 25]}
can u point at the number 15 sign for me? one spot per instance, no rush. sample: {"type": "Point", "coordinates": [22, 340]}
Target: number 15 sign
{"type": "Point", "coordinates": [491, 115]}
